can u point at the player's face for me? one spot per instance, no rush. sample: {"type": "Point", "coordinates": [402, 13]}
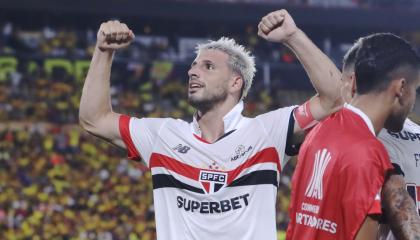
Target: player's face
{"type": "Point", "coordinates": [406, 104]}
{"type": "Point", "coordinates": [208, 79]}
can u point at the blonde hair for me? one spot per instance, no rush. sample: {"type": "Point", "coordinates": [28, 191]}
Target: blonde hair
{"type": "Point", "coordinates": [240, 60]}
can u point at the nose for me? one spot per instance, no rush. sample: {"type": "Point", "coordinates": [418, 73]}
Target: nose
{"type": "Point", "coordinates": [192, 72]}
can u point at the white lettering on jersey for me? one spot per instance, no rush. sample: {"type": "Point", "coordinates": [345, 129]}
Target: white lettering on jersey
{"type": "Point", "coordinates": [317, 223]}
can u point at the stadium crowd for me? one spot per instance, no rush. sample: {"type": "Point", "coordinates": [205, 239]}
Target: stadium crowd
{"type": "Point", "coordinates": [333, 3]}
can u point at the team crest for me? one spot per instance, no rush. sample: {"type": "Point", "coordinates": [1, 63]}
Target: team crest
{"type": "Point", "coordinates": [212, 181]}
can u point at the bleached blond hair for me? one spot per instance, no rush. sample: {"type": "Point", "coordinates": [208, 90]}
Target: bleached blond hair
{"type": "Point", "coordinates": [240, 60]}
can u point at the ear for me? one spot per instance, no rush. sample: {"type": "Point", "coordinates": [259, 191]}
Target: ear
{"type": "Point", "coordinates": [396, 90]}
{"type": "Point", "coordinates": [398, 87]}
{"type": "Point", "coordinates": [353, 84]}
{"type": "Point", "coordinates": [236, 83]}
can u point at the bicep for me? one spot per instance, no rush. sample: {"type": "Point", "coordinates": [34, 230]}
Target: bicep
{"type": "Point", "coordinates": [311, 112]}
{"type": "Point", "coordinates": [400, 209]}
{"type": "Point", "coordinates": [108, 129]}
{"type": "Point", "coordinates": [321, 110]}
{"type": "Point", "coordinates": [395, 199]}
{"type": "Point", "coordinates": [393, 191]}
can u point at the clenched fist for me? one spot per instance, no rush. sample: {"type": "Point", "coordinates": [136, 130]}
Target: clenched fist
{"type": "Point", "coordinates": [277, 26]}
{"type": "Point", "coordinates": [113, 35]}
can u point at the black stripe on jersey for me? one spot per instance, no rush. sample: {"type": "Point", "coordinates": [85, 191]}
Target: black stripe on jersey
{"type": "Point", "coordinates": [397, 170]}
{"type": "Point", "coordinates": [256, 178]}
{"type": "Point", "coordinates": [292, 147]}
{"type": "Point", "coordinates": [226, 134]}
{"type": "Point", "coordinates": [164, 180]}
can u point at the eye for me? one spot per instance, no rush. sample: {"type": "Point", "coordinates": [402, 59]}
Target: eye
{"type": "Point", "coordinates": [209, 66]}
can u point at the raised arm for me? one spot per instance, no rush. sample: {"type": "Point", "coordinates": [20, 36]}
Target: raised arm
{"type": "Point", "coordinates": [400, 209]}
{"type": "Point", "coordinates": [95, 114]}
{"type": "Point", "coordinates": [279, 27]}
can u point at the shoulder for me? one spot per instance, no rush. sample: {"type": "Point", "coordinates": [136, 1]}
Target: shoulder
{"type": "Point", "coordinates": [177, 123]}
{"type": "Point", "coordinates": [280, 113]}
{"type": "Point", "coordinates": [411, 126]}
{"type": "Point", "coordinates": [367, 152]}
{"type": "Point", "coordinates": [367, 146]}
{"type": "Point", "coordinates": [156, 122]}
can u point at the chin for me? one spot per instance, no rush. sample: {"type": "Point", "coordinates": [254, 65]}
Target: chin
{"type": "Point", "coordinates": [394, 125]}
{"type": "Point", "coordinates": [395, 129]}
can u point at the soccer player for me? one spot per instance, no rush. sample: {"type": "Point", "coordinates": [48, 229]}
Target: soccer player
{"type": "Point", "coordinates": [401, 211]}
{"type": "Point", "coordinates": [341, 165]}
{"type": "Point", "coordinates": [215, 177]}
{"type": "Point", "coordinates": [403, 149]}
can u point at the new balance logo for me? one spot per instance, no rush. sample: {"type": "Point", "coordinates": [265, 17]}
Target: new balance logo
{"type": "Point", "coordinates": [314, 189]}
{"type": "Point", "coordinates": [181, 149]}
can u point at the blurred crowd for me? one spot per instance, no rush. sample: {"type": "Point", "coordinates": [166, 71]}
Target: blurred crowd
{"type": "Point", "coordinates": [59, 183]}
{"type": "Point", "coordinates": [149, 44]}
{"type": "Point", "coordinates": [42, 73]}
{"type": "Point", "coordinates": [332, 3]}
{"type": "Point", "coordinates": [56, 182]}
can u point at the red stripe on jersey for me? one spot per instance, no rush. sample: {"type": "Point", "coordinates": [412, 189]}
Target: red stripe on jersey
{"type": "Point", "coordinates": [124, 125]}
{"type": "Point", "coordinates": [418, 193]}
{"type": "Point", "coordinates": [160, 160]}
{"type": "Point", "coordinates": [264, 156]}
{"type": "Point", "coordinates": [206, 186]}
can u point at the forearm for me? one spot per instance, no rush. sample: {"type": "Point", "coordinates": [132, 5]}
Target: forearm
{"type": "Point", "coordinates": [368, 230]}
{"type": "Point", "coordinates": [96, 101]}
{"type": "Point", "coordinates": [400, 209]}
{"type": "Point", "coordinates": [324, 75]}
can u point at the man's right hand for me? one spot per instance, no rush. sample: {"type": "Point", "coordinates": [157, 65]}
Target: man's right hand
{"type": "Point", "coordinates": [113, 35]}
{"type": "Point", "coordinates": [277, 26]}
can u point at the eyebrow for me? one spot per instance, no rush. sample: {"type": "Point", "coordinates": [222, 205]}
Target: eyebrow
{"type": "Point", "coordinates": [205, 61]}
{"type": "Point", "coordinates": [208, 61]}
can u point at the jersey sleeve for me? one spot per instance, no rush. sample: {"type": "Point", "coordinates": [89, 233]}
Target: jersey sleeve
{"type": "Point", "coordinates": [139, 135]}
{"type": "Point", "coordinates": [362, 180]}
{"type": "Point", "coordinates": [393, 147]}
{"type": "Point", "coordinates": [276, 126]}
{"type": "Point", "coordinates": [376, 208]}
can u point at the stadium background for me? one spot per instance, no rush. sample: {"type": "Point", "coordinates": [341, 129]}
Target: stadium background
{"type": "Point", "coordinates": [56, 182]}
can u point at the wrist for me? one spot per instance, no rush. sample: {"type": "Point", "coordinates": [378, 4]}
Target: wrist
{"type": "Point", "coordinates": [294, 38]}
{"type": "Point", "coordinates": [102, 50]}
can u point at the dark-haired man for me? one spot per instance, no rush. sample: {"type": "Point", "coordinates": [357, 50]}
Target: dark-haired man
{"type": "Point", "coordinates": [337, 182]}
{"type": "Point", "coordinates": [403, 184]}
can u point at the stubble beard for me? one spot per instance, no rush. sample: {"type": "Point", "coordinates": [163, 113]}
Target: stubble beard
{"type": "Point", "coordinates": [204, 104]}
{"type": "Point", "coordinates": [395, 123]}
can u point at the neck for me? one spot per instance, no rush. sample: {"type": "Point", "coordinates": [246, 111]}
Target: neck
{"type": "Point", "coordinates": [376, 107]}
{"type": "Point", "coordinates": [211, 121]}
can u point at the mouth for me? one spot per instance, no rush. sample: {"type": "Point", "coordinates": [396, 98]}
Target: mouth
{"type": "Point", "coordinates": [194, 85]}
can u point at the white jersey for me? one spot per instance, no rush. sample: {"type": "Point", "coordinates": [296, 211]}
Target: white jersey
{"type": "Point", "coordinates": [404, 151]}
{"type": "Point", "coordinates": [225, 190]}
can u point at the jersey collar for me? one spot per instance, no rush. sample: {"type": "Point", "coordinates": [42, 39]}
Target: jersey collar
{"type": "Point", "coordinates": [230, 120]}
{"type": "Point", "coordinates": [365, 118]}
